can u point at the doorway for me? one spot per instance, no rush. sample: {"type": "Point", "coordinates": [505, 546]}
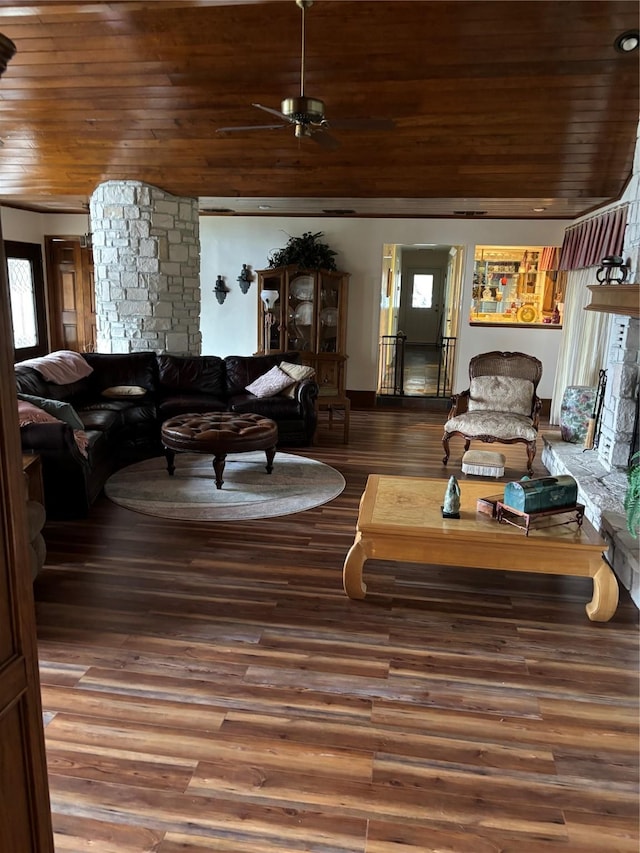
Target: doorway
{"type": "Point", "coordinates": [421, 304]}
{"type": "Point", "coordinates": [71, 291]}
{"type": "Point", "coordinates": [421, 288]}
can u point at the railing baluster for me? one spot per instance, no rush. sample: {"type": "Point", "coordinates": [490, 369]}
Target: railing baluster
{"type": "Point", "coordinates": [392, 362]}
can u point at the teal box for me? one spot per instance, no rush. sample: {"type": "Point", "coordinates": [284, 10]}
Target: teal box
{"type": "Point", "coordinates": [541, 494]}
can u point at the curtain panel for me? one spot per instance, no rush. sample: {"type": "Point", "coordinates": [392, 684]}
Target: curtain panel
{"type": "Point", "coordinates": [586, 244]}
{"type": "Point", "coordinates": [585, 336]}
{"type": "Point", "coordinates": [549, 258]}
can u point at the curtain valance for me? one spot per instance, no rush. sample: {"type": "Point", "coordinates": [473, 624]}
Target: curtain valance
{"type": "Point", "coordinates": [587, 243]}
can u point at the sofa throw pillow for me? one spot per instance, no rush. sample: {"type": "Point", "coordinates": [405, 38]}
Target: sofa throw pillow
{"type": "Point", "coordinates": [297, 372]}
{"type": "Point", "coordinates": [270, 383]}
{"type": "Point", "coordinates": [58, 408]}
{"type": "Point", "coordinates": [124, 391]}
{"type": "Point", "coordinates": [28, 413]}
{"type": "Point", "coordinates": [501, 394]}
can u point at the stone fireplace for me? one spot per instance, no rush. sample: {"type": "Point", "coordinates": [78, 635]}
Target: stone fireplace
{"type": "Point", "coordinates": [601, 473]}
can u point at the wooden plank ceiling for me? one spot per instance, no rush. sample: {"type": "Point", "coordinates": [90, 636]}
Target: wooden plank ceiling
{"type": "Point", "coordinates": [499, 107]}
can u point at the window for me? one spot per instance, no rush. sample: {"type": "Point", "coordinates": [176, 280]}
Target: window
{"type": "Point", "coordinates": [422, 292]}
{"type": "Point", "coordinates": [26, 294]}
{"type": "Point", "coordinates": [23, 303]}
{"type": "Point", "coordinates": [517, 286]}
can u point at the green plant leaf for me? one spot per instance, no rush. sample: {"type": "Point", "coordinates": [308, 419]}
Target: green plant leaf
{"type": "Point", "coordinates": [306, 251]}
{"type": "Point", "coordinates": [632, 497]}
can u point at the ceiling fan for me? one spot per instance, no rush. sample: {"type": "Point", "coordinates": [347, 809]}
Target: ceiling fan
{"type": "Point", "coordinates": [307, 114]}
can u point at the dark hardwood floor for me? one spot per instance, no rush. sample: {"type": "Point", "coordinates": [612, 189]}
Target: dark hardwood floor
{"type": "Point", "coordinates": [209, 687]}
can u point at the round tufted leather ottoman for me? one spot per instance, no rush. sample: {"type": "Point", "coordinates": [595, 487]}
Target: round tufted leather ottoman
{"type": "Point", "coordinates": [219, 433]}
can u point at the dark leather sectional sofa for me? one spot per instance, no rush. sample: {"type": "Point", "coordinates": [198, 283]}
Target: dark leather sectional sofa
{"type": "Point", "coordinates": [123, 430]}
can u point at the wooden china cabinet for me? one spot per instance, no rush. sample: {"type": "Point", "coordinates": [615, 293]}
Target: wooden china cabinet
{"type": "Point", "coordinates": [308, 315]}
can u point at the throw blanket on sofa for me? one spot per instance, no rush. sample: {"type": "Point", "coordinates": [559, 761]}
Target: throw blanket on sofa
{"type": "Point", "coordinates": [62, 367]}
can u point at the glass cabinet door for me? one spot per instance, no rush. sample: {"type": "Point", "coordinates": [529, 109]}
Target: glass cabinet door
{"type": "Point", "coordinates": [301, 313]}
{"type": "Point", "coordinates": [329, 315]}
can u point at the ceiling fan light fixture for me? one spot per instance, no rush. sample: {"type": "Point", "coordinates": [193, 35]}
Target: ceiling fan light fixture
{"type": "Point", "coordinates": [303, 109]}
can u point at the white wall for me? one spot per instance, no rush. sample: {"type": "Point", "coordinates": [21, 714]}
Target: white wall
{"type": "Point", "coordinates": [231, 328]}
{"type": "Point", "coordinates": [229, 241]}
{"type": "Point", "coordinates": [28, 227]}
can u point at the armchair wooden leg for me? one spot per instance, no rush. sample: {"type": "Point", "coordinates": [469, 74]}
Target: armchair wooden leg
{"type": "Point", "coordinates": [531, 452]}
{"type": "Point", "coordinates": [445, 444]}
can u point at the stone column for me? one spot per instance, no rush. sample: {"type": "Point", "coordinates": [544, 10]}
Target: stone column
{"type": "Point", "coordinates": [146, 251]}
{"type": "Point", "coordinates": [623, 367]}
{"type": "Point", "coordinates": [619, 409]}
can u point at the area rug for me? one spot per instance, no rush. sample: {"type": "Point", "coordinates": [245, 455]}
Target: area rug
{"type": "Point", "coordinates": [248, 492]}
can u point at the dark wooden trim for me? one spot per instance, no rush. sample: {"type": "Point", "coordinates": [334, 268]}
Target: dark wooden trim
{"type": "Point", "coordinates": [24, 792]}
{"type": "Point", "coordinates": [362, 399]}
{"type": "Point", "coordinates": [32, 252]}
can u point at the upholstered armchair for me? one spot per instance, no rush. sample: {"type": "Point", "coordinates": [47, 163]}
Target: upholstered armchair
{"type": "Point", "coordinates": [500, 405]}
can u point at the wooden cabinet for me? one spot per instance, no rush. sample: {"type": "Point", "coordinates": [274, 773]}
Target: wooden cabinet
{"type": "Point", "coordinates": [32, 468]}
{"type": "Point", "coordinates": [306, 311]}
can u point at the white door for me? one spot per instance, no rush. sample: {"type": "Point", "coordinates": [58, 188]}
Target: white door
{"type": "Point", "coordinates": [421, 304]}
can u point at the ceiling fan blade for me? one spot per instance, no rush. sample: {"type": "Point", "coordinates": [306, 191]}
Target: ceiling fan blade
{"type": "Point", "coordinates": [250, 127]}
{"type": "Point", "coordinates": [325, 140]}
{"type": "Point", "coordinates": [273, 112]}
{"type": "Point", "coordinates": [363, 123]}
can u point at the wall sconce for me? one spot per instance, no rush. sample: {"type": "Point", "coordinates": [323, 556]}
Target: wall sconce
{"type": "Point", "coordinates": [220, 290]}
{"type": "Point", "coordinates": [245, 278]}
{"type": "Point", "coordinates": [269, 299]}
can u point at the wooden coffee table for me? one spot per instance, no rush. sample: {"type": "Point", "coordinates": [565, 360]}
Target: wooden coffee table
{"type": "Point", "coordinates": [400, 519]}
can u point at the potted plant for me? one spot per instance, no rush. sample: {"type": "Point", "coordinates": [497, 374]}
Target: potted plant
{"type": "Point", "coordinates": [306, 251]}
{"type": "Point", "coordinates": [632, 498]}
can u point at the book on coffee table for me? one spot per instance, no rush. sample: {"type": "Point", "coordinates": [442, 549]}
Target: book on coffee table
{"type": "Point", "coordinates": [489, 505]}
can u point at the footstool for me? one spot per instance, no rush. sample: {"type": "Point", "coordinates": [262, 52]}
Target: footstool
{"type": "Point", "coordinates": [483, 463]}
{"type": "Point", "coordinates": [218, 434]}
